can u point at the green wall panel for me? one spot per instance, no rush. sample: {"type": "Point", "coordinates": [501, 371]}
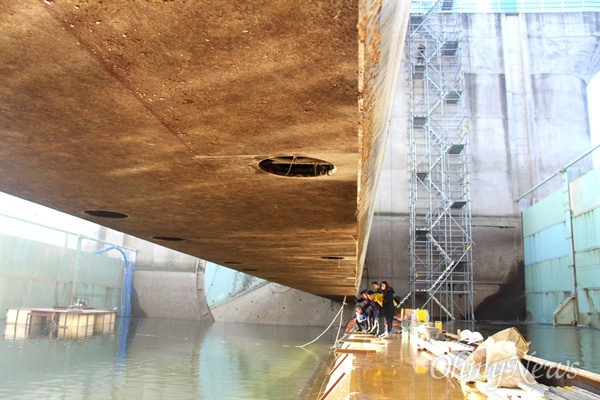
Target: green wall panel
{"type": "Point", "coordinates": [540, 306]}
{"type": "Point", "coordinates": [588, 287]}
{"type": "Point", "coordinates": [548, 212]}
{"type": "Point", "coordinates": [100, 270]}
{"type": "Point", "coordinates": [551, 243]}
{"type": "Point", "coordinates": [586, 231]}
{"type": "Point", "coordinates": [561, 244]}
{"type": "Point", "coordinates": [25, 258]}
{"type": "Point", "coordinates": [585, 193]}
{"type": "Point", "coordinates": [99, 296]}
{"type": "Point", "coordinates": [34, 274]}
{"type": "Point", "coordinates": [549, 276]}
{"type": "Point", "coordinates": [588, 269]}
{"type": "Point", "coordinates": [585, 204]}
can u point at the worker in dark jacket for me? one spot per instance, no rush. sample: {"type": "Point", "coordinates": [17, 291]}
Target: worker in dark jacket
{"type": "Point", "coordinates": [375, 287]}
{"type": "Point", "coordinates": [367, 307]}
{"type": "Point", "coordinates": [388, 308]}
{"type": "Point", "coordinates": [376, 300]}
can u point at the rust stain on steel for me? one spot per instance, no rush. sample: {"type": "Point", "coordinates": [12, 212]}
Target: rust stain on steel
{"type": "Point", "coordinates": [369, 61]}
{"type": "Point", "coordinates": [136, 86]}
{"type": "Point", "coordinates": [58, 10]}
{"type": "Point", "coordinates": [376, 87]}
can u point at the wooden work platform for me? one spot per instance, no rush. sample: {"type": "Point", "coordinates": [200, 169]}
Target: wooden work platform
{"type": "Point", "coordinates": [406, 366]}
{"type": "Point", "coordinates": [369, 367]}
{"type": "Point", "coordinates": [62, 323]}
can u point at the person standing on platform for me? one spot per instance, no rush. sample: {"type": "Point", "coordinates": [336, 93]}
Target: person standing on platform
{"type": "Point", "coordinates": [376, 302]}
{"type": "Point", "coordinates": [388, 308]}
{"type": "Point", "coordinates": [421, 54]}
{"type": "Point", "coordinates": [375, 287]}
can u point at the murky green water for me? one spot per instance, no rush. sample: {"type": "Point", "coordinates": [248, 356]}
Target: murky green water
{"type": "Point", "coordinates": [166, 359]}
{"type": "Point", "coordinates": [172, 359]}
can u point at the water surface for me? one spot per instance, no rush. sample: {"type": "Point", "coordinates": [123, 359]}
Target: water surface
{"type": "Point", "coordinates": [160, 358]}
{"type": "Point", "coordinates": [178, 360]}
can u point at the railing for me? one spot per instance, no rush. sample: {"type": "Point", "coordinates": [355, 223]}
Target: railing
{"type": "Point", "coordinates": [54, 235]}
{"type": "Point", "coordinates": [507, 6]}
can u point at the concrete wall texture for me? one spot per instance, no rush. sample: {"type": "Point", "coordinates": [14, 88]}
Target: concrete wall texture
{"type": "Point", "coordinates": [169, 294]}
{"type": "Point", "coordinates": [181, 295]}
{"type": "Point", "coordinates": [280, 305]}
{"type": "Point", "coordinates": [526, 77]}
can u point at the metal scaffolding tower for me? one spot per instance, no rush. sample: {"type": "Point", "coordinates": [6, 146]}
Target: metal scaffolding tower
{"type": "Point", "coordinates": [441, 270]}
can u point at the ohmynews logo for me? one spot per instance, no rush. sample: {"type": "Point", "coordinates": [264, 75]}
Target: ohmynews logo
{"type": "Point", "coordinates": [510, 369]}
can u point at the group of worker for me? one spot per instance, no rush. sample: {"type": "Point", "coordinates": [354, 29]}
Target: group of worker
{"type": "Point", "coordinates": [374, 305]}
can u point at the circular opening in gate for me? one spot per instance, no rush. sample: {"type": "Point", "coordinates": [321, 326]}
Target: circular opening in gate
{"type": "Point", "coordinates": [296, 166]}
{"type": "Point", "coordinates": [105, 214]}
{"type": "Point", "coordinates": [168, 238]}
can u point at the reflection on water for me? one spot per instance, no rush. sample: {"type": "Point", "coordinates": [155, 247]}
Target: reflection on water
{"type": "Point", "coordinates": [159, 358]}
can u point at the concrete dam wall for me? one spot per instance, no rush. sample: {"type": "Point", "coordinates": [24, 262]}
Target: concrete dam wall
{"type": "Point", "coordinates": [526, 77]}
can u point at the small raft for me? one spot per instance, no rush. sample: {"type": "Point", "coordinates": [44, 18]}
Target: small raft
{"type": "Point", "coordinates": [62, 323]}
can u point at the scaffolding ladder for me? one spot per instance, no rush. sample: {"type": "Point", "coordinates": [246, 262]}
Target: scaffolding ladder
{"type": "Point", "coordinates": [441, 266]}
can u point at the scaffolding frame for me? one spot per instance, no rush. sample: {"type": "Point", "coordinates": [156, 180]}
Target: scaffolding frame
{"type": "Point", "coordinates": [441, 266]}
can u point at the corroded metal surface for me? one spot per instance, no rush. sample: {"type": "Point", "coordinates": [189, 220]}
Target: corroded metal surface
{"type": "Point", "coordinates": [162, 111]}
{"type": "Point", "coordinates": [379, 63]}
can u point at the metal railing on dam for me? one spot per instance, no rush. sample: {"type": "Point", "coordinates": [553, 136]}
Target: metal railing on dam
{"type": "Point", "coordinates": [506, 6]}
{"type": "Point", "coordinates": [45, 266]}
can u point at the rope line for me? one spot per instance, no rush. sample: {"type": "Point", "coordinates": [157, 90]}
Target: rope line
{"type": "Point", "coordinates": [326, 329]}
{"type": "Point", "coordinates": [337, 337]}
